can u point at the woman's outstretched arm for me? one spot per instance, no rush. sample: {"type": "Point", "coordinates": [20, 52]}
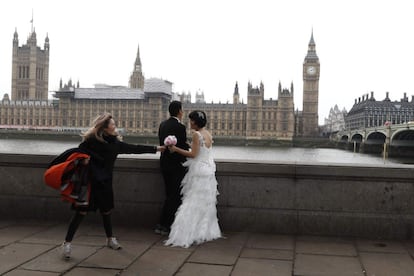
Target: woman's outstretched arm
{"type": "Point", "coordinates": [195, 147]}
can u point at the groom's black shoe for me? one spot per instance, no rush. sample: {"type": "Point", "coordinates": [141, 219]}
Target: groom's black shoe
{"type": "Point", "coordinates": [161, 230]}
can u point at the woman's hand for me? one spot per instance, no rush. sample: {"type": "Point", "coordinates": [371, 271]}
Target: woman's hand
{"type": "Point", "coordinates": [161, 148]}
{"type": "Point", "coordinates": [172, 148]}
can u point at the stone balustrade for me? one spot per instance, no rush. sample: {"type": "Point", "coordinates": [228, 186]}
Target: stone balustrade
{"type": "Point", "coordinates": [286, 198]}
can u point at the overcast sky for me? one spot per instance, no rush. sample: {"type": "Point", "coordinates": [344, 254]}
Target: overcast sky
{"type": "Point", "coordinates": [363, 45]}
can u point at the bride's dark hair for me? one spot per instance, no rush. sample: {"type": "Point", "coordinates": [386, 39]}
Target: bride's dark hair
{"type": "Point", "coordinates": [199, 118]}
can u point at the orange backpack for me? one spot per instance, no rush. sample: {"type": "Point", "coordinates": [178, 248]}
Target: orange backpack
{"type": "Point", "coordinates": [58, 176]}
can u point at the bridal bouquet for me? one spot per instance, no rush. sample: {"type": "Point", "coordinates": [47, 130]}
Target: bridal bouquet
{"type": "Point", "coordinates": [170, 140]}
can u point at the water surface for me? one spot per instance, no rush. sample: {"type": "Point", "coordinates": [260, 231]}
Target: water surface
{"type": "Point", "coordinates": [268, 154]}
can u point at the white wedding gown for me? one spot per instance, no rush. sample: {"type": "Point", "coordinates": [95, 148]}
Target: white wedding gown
{"type": "Point", "coordinates": [196, 219]}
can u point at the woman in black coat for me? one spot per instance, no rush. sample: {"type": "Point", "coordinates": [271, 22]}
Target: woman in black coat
{"type": "Point", "coordinates": [103, 144]}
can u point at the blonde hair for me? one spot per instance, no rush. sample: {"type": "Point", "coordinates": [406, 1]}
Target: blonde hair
{"type": "Point", "coordinates": [97, 130]}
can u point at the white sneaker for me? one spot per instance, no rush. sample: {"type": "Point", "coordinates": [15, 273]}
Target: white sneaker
{"type": "Point", "coordinates": [113, 243]}
{"type": "Point", "coordinates": [66, 250]}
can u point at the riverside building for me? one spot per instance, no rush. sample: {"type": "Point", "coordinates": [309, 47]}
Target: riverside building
{"type": "Point", "coordinates": [335, 121]}
{"type": "Point", "coordinates": [143, 104]}
{"type": "Point", "coordinates": [368, 112]}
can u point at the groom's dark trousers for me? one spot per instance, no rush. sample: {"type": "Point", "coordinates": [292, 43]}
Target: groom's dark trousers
{"type": "Point", "coordinates": [172, 180]}
{"type": "Point", "coordinates": [171, 168]}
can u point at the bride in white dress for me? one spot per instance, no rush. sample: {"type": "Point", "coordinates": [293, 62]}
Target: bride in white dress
{"type": "Point", "coordinates": [196, 219]}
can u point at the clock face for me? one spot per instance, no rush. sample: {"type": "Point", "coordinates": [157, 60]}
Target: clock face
{"type": "Point", "coordinates": [311, 70]}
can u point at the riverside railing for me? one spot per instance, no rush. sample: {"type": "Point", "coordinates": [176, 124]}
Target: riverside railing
{"type": "Point", "coordinates": [286, 198]}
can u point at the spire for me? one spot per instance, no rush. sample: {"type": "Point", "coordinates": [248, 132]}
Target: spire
{"type": "Point", "coordinates": [311, 50]}
{"type": "Point", "coordinates": [236, 94]}
{"type": "Point", "coordinates": [312, 42]}
{"type": "Point", "coordinates": [136, 79]}
{"type": "Point", "coordinates": [46, 46]}
{"type": "Point", "coordinates": [31, 21]}
{"type": "Point", "coordinates": [138, 65]}
{"type": "Point", "coordinates": [15, 37]}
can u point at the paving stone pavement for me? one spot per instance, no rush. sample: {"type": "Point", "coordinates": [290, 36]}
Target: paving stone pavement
{"type": "Point", "coordinates": [33, 249]}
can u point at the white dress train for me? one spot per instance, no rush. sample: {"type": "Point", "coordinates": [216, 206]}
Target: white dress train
{"type": "Point", "coordinates": [196, 219]}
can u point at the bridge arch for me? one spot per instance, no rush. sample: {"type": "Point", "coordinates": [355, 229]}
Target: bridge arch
{"type": "Point", "coordinates": [403, 137]}
{"type": "Point", "coordinates": [376, 137]}
{"type": "Point", "coordinates": [357, 138]}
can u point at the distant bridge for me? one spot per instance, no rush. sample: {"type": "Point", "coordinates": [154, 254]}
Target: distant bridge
{"type": "Point", "coordinates": [393, 135]}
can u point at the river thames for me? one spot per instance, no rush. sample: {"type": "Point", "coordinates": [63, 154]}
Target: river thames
{"type": "Point", "coordinates": [269, 154]}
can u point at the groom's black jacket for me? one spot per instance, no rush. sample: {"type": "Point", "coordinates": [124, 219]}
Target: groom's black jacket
{"type": "Point", "coordinates": [172, 126]}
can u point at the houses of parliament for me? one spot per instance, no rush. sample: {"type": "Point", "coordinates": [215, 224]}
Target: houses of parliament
{"type": "Point", "coordinates": [139, 107]}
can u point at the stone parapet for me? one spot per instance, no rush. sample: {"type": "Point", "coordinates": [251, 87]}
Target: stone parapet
{"type": "Point", "coordinates": [285, 198]}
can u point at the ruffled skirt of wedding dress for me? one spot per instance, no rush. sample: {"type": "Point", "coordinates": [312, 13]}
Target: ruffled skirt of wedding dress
{"type": "Point", "coordinates": [196, 219]}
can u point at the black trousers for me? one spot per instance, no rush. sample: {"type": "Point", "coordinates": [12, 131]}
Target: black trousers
{"type": "Point", "coordinates": [172, 181]}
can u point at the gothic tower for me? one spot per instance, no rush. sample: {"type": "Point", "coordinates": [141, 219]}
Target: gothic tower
{"type": "Point", "coordinates": [285, 115]}
{"type": "Point", "coordinates": [236, 96]}
{"type": "Point", "coordinates": [137, 78]}
{"type": "Point", "coordinates": [254, 113]}
{"type": "Point", "coordinates": [30, 69]}
{"type": "Point", "coordinates": [311, 70]}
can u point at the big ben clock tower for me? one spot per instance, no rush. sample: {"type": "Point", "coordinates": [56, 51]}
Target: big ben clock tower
{"type": "Point", "coordinates": [311, 70]}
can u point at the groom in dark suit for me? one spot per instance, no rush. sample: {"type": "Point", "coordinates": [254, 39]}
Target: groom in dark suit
{"type": "Point", "coordinates": [171, 166]}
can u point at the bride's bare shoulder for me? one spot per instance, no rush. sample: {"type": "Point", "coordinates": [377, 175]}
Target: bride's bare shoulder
{"type": "Point", "coordinates": [208, 138]}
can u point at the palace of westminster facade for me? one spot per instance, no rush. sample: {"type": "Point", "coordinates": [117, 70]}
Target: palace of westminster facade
{"type": "Point", "coordinates": [140, 107]}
